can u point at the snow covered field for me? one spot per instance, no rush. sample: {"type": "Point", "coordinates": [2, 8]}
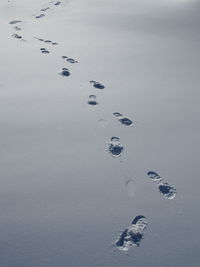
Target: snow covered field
{"type": "Point", "coordinates": [99, 140]}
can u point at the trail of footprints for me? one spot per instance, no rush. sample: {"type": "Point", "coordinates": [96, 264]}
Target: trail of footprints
{"type": "Point", "coordinates": [16, 28]}
{"type": "Point", "coordinates": [46, 41]}
{"type": "Point", "coordinates": [134, 233]}
{"type": "Point", "coordinates": [47, 8]}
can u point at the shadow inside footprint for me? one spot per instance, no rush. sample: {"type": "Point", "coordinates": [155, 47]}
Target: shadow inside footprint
{"type": "Point", "coordinates": [92, 100]}
{"type": "Point", "coordinates": [44, 51]}
{"type": "Point", "coordinates": [154, 176]}
{"type": "Point", "coordinates": [70, 60]}
{"type": "Point", "coordinates": [44, 9]}
{"type": "Point", "coordinates": [132, 235]}
{"type": "Point", "coordinates": [57, 3]}
{"type": "Point", "coordinates": [97, 85]}
{"type": "Point", "coordinates": [17, 36]}
{"type": "Point", "coordinates": [15, 22]}
{"type": "Point", "coordinates": [164, 188]}
{"type": "Point", "coordinates": [40, 16]}
{"type": "Point", "coordinates": [126, 121]}
{"type": "Point", "coordinates": [115, 148]}
{"type": "Point", "coordinates": [65, 72]}
{"type": "Point", "coordinates": [123, 120]}
{"type": "Point", "coordinates": [167, 190]}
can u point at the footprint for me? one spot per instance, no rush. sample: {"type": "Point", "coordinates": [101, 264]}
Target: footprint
{"type": "Point", "coordinates": [115, 148]}
{"type": "Point", "coordinates": [17, 36]}
{"type": "Point", "coordinates": [15, 22]}
{"type": "Point", "coordinates": [57, 3]}
{"type": "Point", "coordinates": [132, 235]}
{"type": "Point", "coordinates": [131, 188]}
{"type": "Point", "coordinates": [167, 190]}
{"type": "Point", "coordinates": [17, 28]}
{"type": "Point", "coordinates": [71, 60]}
{"type": "Point", "coordinates": [40, 16]}
{"type": "Point", "coordinates": [44, 9]}
{"type": "Point", "coordinates": [164, 188]}
{"type": "Point", "coordinates": [154, 176]}
{"type": "Point", "coordinates": [103, 123]}
{"type": "Point", "coordinates": [44, 51]}
{"type": "Point", "coordinates": [65, 72]}
{"type": "Point", "coordinates": [92, 100]}
{"type": "Point", "coordinates": [46, 41]}
{"type": "Point", "coordinates": [39, 39]}
{"type": "Point", "coordinates": [97, 85]}
{"type": "Point", "coordinates": [123, 120]}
